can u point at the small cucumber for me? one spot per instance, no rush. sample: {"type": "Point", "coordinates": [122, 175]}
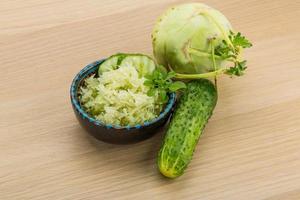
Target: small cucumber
{"type": "Point", "coordinates": [188, 121]}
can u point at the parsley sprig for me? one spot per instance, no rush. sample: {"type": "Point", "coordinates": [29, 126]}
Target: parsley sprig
{"type": "Point", "coordinates": [160, 84]}
{"type": "Point", "coordinates": [232, 51]}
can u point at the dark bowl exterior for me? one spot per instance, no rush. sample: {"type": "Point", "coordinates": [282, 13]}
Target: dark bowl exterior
{"type": "Point", "coordinates": [121, 135]}
{"type": "Point", "coordinates": [110, 133]}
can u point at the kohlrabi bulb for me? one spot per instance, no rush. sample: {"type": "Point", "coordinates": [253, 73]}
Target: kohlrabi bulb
{"type": "Point", "coordinates": [181, 38]}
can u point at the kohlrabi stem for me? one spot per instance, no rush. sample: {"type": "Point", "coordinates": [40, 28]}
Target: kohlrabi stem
{"type": "Point", "coordinates": [213, 58]}
{"type": "Point", "coordinates": [198, 76]}
{"type": "Point", "coordinates": [201, 53]}
{"type": "Point", "coordinates": [213, 53]}
{"type": "Point", "coordinates": [224, 32]}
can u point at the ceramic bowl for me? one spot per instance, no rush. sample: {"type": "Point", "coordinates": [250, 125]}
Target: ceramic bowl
{"type": "Point", "coordinates": [113, 133]}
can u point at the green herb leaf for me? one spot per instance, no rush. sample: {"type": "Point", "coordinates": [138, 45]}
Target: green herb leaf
{"type": "Point", "coordinates": [151, 92]}
{"type": "Point", "coordinates": [148, 82]}
{"type": "Point", "coordinates": [162, 69]}
{"type": "Point", "coordinates": [223, 50]}
{"type": "Point", "coordinates": [160, 84]}
{"type": "Point", "coordinates": [170, 75]}
{"type": "Point", "coordinates": [163, 95]}
{"type": "Point", "coordinates": [177, 86]}
{"type": "Point", "coordinates": [240, 41]}
{"type": "Point", "coordinates": [238, 69]}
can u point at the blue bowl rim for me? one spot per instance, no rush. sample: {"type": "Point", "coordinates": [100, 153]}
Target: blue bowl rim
{"type": "Point", "coordinates": [91, 68]}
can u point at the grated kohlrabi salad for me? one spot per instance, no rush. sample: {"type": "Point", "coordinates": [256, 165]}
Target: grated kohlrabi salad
{"type": "Point", "coordinates": [119, 97]}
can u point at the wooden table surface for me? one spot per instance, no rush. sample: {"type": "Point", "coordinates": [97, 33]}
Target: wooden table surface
{"type": "Point", "coordinates": [251, 145]}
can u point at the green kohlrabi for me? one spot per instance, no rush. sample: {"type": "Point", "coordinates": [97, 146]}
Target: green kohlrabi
{"type": "Point", "coordinates": [197, 41]}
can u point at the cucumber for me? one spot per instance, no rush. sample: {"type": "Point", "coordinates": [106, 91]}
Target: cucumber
{"type": "Point", "coordinates": [187, 123]}
{"type": "Point", "coordinates": [111, 63]}
{"type": "Point", "coordinates": [144, 64]}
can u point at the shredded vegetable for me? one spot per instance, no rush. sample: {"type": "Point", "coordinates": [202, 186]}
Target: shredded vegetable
{"type": "Point", "coordinates": [119, 97]}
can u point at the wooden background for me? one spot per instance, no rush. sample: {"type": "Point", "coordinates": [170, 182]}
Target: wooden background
{"type": "Point", "coordinates": [251, 146]}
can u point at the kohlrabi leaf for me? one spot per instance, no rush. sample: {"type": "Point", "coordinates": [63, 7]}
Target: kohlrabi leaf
{"type": "Point", "coordinates": [238, 69]}
{"type": "Point", "coordinates": [240, 41]}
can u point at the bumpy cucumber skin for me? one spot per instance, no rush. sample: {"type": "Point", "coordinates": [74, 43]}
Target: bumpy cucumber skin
{"type": "Point", "coordinates": [188, 121]}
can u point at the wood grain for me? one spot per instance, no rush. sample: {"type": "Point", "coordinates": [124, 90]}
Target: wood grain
{"type": "Point", "coordinates": [251, 146]}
